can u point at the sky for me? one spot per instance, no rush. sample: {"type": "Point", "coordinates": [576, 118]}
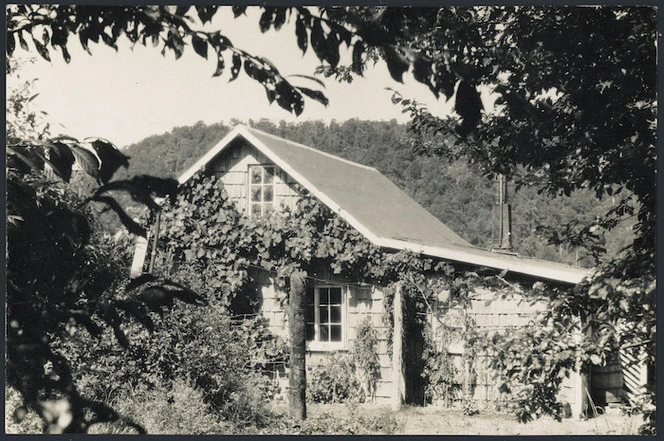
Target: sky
{"type": "Point", "coordinates": [130, 94]}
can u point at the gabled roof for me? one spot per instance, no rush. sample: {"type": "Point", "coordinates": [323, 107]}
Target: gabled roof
{"type": "Point", "coordinates": [377, 208]}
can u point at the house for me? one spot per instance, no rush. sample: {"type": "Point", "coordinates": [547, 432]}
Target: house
{"type": "Point", "coordinates": [262, 172]}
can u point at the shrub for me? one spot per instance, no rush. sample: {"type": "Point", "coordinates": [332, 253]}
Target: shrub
{"type": "Point", "coordinates": [439, 373]}
{"type": "Point", "coordinates": [334, 381]}
{"type": "Point", "coordinates": [378, 421]}
{"type": "Point", "coordinates": [365, 358]}
{"type": "Point", "coordinates": [178, 409]}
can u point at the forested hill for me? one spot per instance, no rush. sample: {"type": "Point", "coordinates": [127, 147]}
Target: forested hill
{"type": "Point", "coordinates": [455, 192]}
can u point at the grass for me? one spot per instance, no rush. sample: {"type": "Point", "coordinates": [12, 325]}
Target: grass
{"type": "Point", "coordinates": [186, 414]}
{"type": "Point", "coordinates": [440, 421]}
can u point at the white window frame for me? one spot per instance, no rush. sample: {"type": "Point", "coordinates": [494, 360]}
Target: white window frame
{"type": "Point", "coordinates": [317, 345]}
{"type": "Point", "coordinates": [250, 184]}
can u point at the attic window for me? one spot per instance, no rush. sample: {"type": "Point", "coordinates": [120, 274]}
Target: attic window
{"type": "Point", "coordinates": [325, 318]}
{"type": "Point", "coordinates": [261, 189]}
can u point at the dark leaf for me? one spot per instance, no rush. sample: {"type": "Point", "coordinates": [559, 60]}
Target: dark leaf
{"type": "Point", "coordinates": [358, 50]}
{"type": "Point", "coordinates": [82, 36]}
{"type": "Point", "coordinates": [24, 160]}
{"type": "Point", "coordinates": [89, 324]}
{"type": "Point", "coordinates": [61, 159]}
{"type": "Point", "coordinates": [141, 188]}
{"type": "Point", "coordinates": [314, 94]}
{"type": "Point", "coordinates": [220, 66]}
{"type": "Point", "coordinates": [181, 10]}
{"type": "Point", "coordinates": [86, 160]}
{"type": "Point", "coordinates": [156, 297]}
{"type": "Point", "coordinates": [422, 72]}
{"type": "Point", "coordinates": [205, 13]}
{"type": "Point", "coordinates": [138, 311]}
{"type": "Point", "coordinates": [238, 10]}
{"type": "Point", "coordinates": [301, 33]}
{"type": "Point", "coordinates": [108, 40]}
{"type": "Point", "coordinates": [185, 294]}
{"type": "Point", "coordinates": [109, 156]}
{"type": "Point", "coordinates": [332, 49]}
{"type": "Point", "coordinates": [444, 80]}
{"type": "Point", "coordinates": [43, 51]}
{"type": "Point", "coordinates": [288, 98]}
{"type": "Point", "coordinates": [138, 281]}
{"type": "Point", "coordinates": [235, 68]}
{"type": "Point", "coordinates": [318, 40]}
{"type": "Point", "coordinates": [200, 46]}
{"type": "Point", "coordinates": [65, 54]}
{"type": "Point", "coordinates": [266, 19]}
{"type": "Point", "coordinates": [132, 226]}
{"type": "Point", "coordinates": [280, 18]}
{"type": "Point", "coordinates": [256, 72]}
{"type": "Point", "coordinates": [469, 106]}
{"type": "Point", "coordinates": [24, 44]}
{"type": "Point", "coordinates": [11, 43]}
{"type": "Point", "coordinates": [397, 63]}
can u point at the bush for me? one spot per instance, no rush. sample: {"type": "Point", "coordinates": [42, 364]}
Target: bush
{"type": "Point", "coordinates": [334, 381]}
{"type": "Point", "coordinates": [439, 373]}
{"type": "Point", "coordinates": [365, 358]}
{"type": "Point", "coordinates": [179, 409]}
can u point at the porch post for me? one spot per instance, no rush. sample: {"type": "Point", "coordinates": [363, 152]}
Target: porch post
{"type": "Point", "coordinates": [398, 380]}
{"type": "Point", "coordinates": [581, 388]}
{"type": "Point", "coordinates": [297, 378]}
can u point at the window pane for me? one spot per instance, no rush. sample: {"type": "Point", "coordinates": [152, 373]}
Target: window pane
{"type": "Point", "coordinates": [324, 333]}
{"type": "Point", "coordinates": [268, 176]}
{"type": "Point", "coordinates": [324, 296]}
{"type": "Point", "coordinates": [335, 334]}
{"type": "Point", "coordinates": [256, 209]}
{"type": "Point", "coordinates": [335, 296]}
{"type": "Point", "coordinates": [310, 331]}
{"type": "Point", "coordinates": [335, 314]}
{"type": "Point", "coordinates": [267, 193]}
{"type": "Point", "coordinates": [255, 193]}
{"type": "Point", "coordinates": [323, 315]}
{"type": "Point", "coordinates": [255, 175]}
{"type": "Point", "coordinates": [267, 209]}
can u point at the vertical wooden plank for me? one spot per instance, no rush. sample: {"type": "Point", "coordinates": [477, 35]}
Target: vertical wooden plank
{"type": "Point", "coordinates": [398, 380]}
{"type": "Point", "coordinates": [155, 242]}
{"type": "Point", "coordinates": [140, 252]}
{"type": "Point", "coordinates": [580, 405]}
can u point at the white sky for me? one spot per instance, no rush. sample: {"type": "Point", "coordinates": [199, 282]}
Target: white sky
{"type": "Point", "coordinates": [128, 95]}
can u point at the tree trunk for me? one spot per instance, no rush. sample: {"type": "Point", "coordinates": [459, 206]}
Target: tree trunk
{"type": "Point", "coordinates": [297, 379]}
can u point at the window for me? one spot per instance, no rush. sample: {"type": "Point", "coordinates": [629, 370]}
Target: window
{"type": "Point", "coordinates": [261, 190]}
{"type": "Point", "coordinates": [325, 317]}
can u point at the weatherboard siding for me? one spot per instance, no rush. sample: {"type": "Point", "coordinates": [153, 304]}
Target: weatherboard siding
{"type": "Point", "coordinates": [232, 166]}
{"type": "Point", "coordinates": [365, 301]}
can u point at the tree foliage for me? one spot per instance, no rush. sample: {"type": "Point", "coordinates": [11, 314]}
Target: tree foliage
{"type": "Point", "coordinates": [62, 269]}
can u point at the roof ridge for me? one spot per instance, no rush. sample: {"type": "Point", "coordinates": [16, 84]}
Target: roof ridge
{"type": "Point", "coordinates": [339, 158]}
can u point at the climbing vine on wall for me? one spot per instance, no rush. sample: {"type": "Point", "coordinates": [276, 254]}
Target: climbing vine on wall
{"type": "Point", "coordinates": [204, 229]}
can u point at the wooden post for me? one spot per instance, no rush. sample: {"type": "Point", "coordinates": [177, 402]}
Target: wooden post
{"type": "Point", "coordinates": [581, 387]}
{"type": "Point", "coordinates": [297, 377]}
{"type": "Point", "coordinates": [140, 252]}
{"type": "Point", "coordinates": [398, 380]}
{"type": "Point", "coordinates": [155, 242]}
